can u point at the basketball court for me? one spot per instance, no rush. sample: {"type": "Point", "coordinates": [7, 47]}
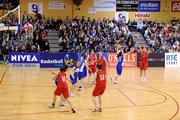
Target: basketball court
{"type": "Point", "coordinates": [25, 94]}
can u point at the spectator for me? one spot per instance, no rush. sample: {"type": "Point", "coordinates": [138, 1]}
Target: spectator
{"type": "Point", "coordinates": [46, 47]}
{"type": "Point", "coordinates": [5, 53]}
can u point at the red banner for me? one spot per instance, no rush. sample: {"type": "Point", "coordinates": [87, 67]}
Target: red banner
{"type": "Point", "coordinates": [130, 60]}
{"type": "Point", "coordinates": [175, 6]}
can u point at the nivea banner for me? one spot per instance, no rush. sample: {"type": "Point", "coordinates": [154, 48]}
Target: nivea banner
{"type": "Point", "coordinates": [24, 57]}
{"type": "Point", "coordinates": [55, 60]}
{"type": "Point", "coordinates": [27, 60]}
{"type": "Point", "coordinates": [149, 6]}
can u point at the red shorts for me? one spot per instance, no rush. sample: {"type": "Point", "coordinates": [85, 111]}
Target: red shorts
{"type": "Point", "coordinates": [98, 90]}
{"type": "Point", "coordinates": [104, 69]}
{"type": "Point", "coordinates": [92, 69]}
{"type": "Point", "coordinates": [143, 65]}
{"type": "Point", "coordinates": [62, 90]}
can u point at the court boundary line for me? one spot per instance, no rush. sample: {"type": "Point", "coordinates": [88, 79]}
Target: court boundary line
{"type": "Point", "coordinates": [2, 78]}
{"type": "Point", "coordinates": [155, 89]}
{"type": "Point", "coordinates": [150, 91]}
{"type": "Point", "coordinates": [176, 102]}
{"type": "Point", "coordinates": [126, 97]}
{"type": "Point", "coordinates": [134, 104]}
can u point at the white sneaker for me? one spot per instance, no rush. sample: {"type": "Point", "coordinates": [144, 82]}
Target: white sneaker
{"type": "Point", "coordinates": [115, 82]}
{"type": "Point", "coordinates": [111, 78]}
{"type": "Point", "coordinates": [62, 104]}
{"type": "Point", "coordinates": [80, 88]}
{"type": "Point", "coordinates": [143, 79]}
{"type": "Point", "coordinates": [51, 106]}
{"type": "Point", "coordinates": [72, 94]}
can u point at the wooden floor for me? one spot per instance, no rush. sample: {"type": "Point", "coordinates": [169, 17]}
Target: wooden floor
{"type": "Point", "coordinates": [25, 94]}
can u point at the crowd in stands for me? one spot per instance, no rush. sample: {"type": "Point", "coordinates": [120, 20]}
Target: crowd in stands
{"type": "Point", "coordinates": [33, 37]}
{"type": "Point", "coordinates": [162, 37]}
{"type": "Point", "coordinates": [101, 35]}
{"type": "Point", "coordinates": [83, 34]}
{"type": "Point", "coordinates": [110, 35]}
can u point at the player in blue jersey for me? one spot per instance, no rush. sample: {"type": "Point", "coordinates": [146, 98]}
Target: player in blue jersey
{"type": "Point", "coordinates": [82, 70]}
{"type": "Point", "coordinates": [74, 77]}
{"type": "Point", "coordinates": [119, 66]}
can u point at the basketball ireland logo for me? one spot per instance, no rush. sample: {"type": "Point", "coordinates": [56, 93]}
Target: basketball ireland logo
{"type": "Point", "coordinates": [68, 60]}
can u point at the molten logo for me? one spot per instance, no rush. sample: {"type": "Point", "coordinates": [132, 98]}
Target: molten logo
{"type": "Point", "coordinates": [176, 6]}
{"type": "Point", "coordinates": [149, 5]}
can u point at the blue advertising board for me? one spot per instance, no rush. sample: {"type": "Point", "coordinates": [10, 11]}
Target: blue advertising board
{"type": "Point", "coordinates": [55, 60]}
{"type": "Point", "coordinates": [149, 6]}
{"type": "Point", "coordinates": [24, 58]}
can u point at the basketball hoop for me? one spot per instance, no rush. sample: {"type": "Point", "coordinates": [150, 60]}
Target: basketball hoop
{"type": "Point", "coordinates": [4, 28]}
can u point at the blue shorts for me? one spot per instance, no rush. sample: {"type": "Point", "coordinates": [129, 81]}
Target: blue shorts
{"type": "Point", "coordinates": [73, 80]}
{"type": "Point", "coordinates": [82, 74]}
{"type": "Point", "coordinates": [119, 69]}
{"type": "Point", "coordinates": [56, 82]}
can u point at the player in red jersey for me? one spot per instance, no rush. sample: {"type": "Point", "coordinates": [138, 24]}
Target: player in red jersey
{"type": "Point", "coordinates": [99, 89]}
{"type": "Point", "coordinates": [143, 63]}
{"type": "Point", "coordinates": [91, 60]}
{"type": "Point", "coordinates": [102, 61]}
{"type": "Point", "coordinates": [62, 88]}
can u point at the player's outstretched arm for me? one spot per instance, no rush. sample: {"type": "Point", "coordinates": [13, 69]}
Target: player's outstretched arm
{"type": "Point", "coordinates": [128, 52]}
{"type": "Point", "coordinates": [86, 64]}
{"type": "Point", "coordinates": [54, 73]}
{"type": "Point", "coordinates": [54, 78]}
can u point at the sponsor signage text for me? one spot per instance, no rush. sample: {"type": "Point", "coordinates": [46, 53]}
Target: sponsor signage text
{"type": "Point", "coordinates": [172, 59]}
{"type": "Point", "coordinates": [148, 6]}
{"type": "Point", "coordinates": [130, 59]}
{"type": "Point", "coordinates": [142, 15]}
{"type": "Point", "coordinates": [127, 5]}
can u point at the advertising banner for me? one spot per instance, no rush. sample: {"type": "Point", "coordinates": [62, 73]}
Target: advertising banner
{"type": "Point", "coordinates": [175, 6]}
{"type": "Point", "coordinates": [55, 60]}
{"type": "Point", "coordinates": [154, 60]}
{"type": "Point", "coordinates": [127, 5]}
{"type": "Point", "coordinates": [24, 59]}
{"type": "Point", "coordinates": [130, 59]}
{"type": "Point", "coordinates": [92, 11]}
{"type": "Point", "coordinates": [172, 59]}
{"type": "Point", "coordinates": [35, 8]}
{"type": "Point", "coordinates": [56, 5]}
{"type": "Point", "coordinates": [105, 5]}
{"type": "Point", "coordinates": [149, 6]}
{"type": "Point", "coordinates": [141, 15]}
